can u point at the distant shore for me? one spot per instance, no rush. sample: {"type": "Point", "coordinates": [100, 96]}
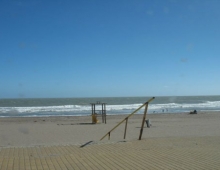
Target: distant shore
{"type": "Point", "coordinates": [76, 130]}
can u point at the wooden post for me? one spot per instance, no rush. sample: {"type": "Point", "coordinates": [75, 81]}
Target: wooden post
{"type": "Point", "coordinates": [93, 108]}
{"type": "Point", "coordinates": [92, 111]}
{"type": "Point", "coordinates": [144, 117]}
{"type": "Point", "coordinates": [102, 114]}
{"type": "Point", "coordinates": [109, 135]}
{"type": "Point", "coordinates": [125, 127]}
{"type": "Point", "coordinates": [105, 112]}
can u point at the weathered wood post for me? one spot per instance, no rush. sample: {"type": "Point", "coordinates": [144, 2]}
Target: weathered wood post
{"type": "Point", "coordinates": [144, 117]}
{"type": "Point", "coordinates": [104, 113]}
{"type": "Point", "coordinates": [125, 128]}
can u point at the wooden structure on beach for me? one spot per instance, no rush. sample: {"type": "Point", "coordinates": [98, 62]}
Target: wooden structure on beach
{"type": "Point", "coordinates": [101, 112]}
{"type": "Point", "coordinates": [126, 120]}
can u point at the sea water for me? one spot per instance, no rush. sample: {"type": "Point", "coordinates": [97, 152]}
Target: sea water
{"type": "Point", "coordinates": [114, 105]}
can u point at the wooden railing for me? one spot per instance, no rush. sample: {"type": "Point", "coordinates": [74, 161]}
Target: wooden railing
{"type": "Point", "coordinates": [126, 119]}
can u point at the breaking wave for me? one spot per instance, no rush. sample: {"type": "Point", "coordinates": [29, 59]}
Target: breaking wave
{"type": "Point", "coordinates": [83, 110]}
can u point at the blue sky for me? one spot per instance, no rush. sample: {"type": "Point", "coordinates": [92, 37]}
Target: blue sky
{"type": "Point", "coordinates": [96, 48]}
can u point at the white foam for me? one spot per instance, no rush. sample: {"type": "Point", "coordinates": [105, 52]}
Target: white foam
{"type": "Point", "coordinates": [64, 108]}
{"type": "Point", "coordinates": [111, 109]}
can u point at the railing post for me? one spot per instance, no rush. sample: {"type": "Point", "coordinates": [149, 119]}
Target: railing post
{"type": "Point", "coordinates": [109, 135]}
{"type": "Point", "coordinates": [144, 117]}
{"type": "Point", "coordinates": [125, 128]}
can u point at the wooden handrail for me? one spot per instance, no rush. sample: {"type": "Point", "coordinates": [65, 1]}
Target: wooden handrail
{"type": "Point", "coordinates": [146, 103]}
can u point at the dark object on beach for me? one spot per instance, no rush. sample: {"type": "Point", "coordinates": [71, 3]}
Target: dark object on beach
{"type": "Point", "coordinates": [194, 112]}
{"type": "Point", "coordinates": [148, 123]}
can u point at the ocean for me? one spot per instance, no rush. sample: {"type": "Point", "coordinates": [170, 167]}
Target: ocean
{"type": "Point", "coordinates": [38, 107]}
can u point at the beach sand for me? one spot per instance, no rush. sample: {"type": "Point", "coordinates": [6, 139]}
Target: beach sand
{"type": "Point", "coordinates": [174, 141]}
{"type": "Point", "coordinates": [78, 130]}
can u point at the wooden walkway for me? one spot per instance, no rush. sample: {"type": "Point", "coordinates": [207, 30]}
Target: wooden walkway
{"type": "Point", "coordinates": [155, 153]}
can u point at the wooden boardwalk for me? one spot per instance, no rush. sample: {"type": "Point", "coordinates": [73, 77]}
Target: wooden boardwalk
{"type": "Point", "coordinates": [154, 153]}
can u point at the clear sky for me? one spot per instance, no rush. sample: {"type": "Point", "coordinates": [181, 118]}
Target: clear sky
{"type": "Point", "coordinates": [100, 48]}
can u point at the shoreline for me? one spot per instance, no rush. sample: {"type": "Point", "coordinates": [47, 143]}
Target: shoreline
{"type": "Point", "coordinates": [123, 114]}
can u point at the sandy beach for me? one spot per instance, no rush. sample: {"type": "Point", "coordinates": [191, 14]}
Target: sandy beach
{"type": "Point", "coordinates": [48, 131]}
{"type": "Point", "coordinates": [174, 141]}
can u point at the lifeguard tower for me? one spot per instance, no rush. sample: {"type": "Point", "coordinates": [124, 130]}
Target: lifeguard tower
{"type": "Point", "coordinates": [100, 112]}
